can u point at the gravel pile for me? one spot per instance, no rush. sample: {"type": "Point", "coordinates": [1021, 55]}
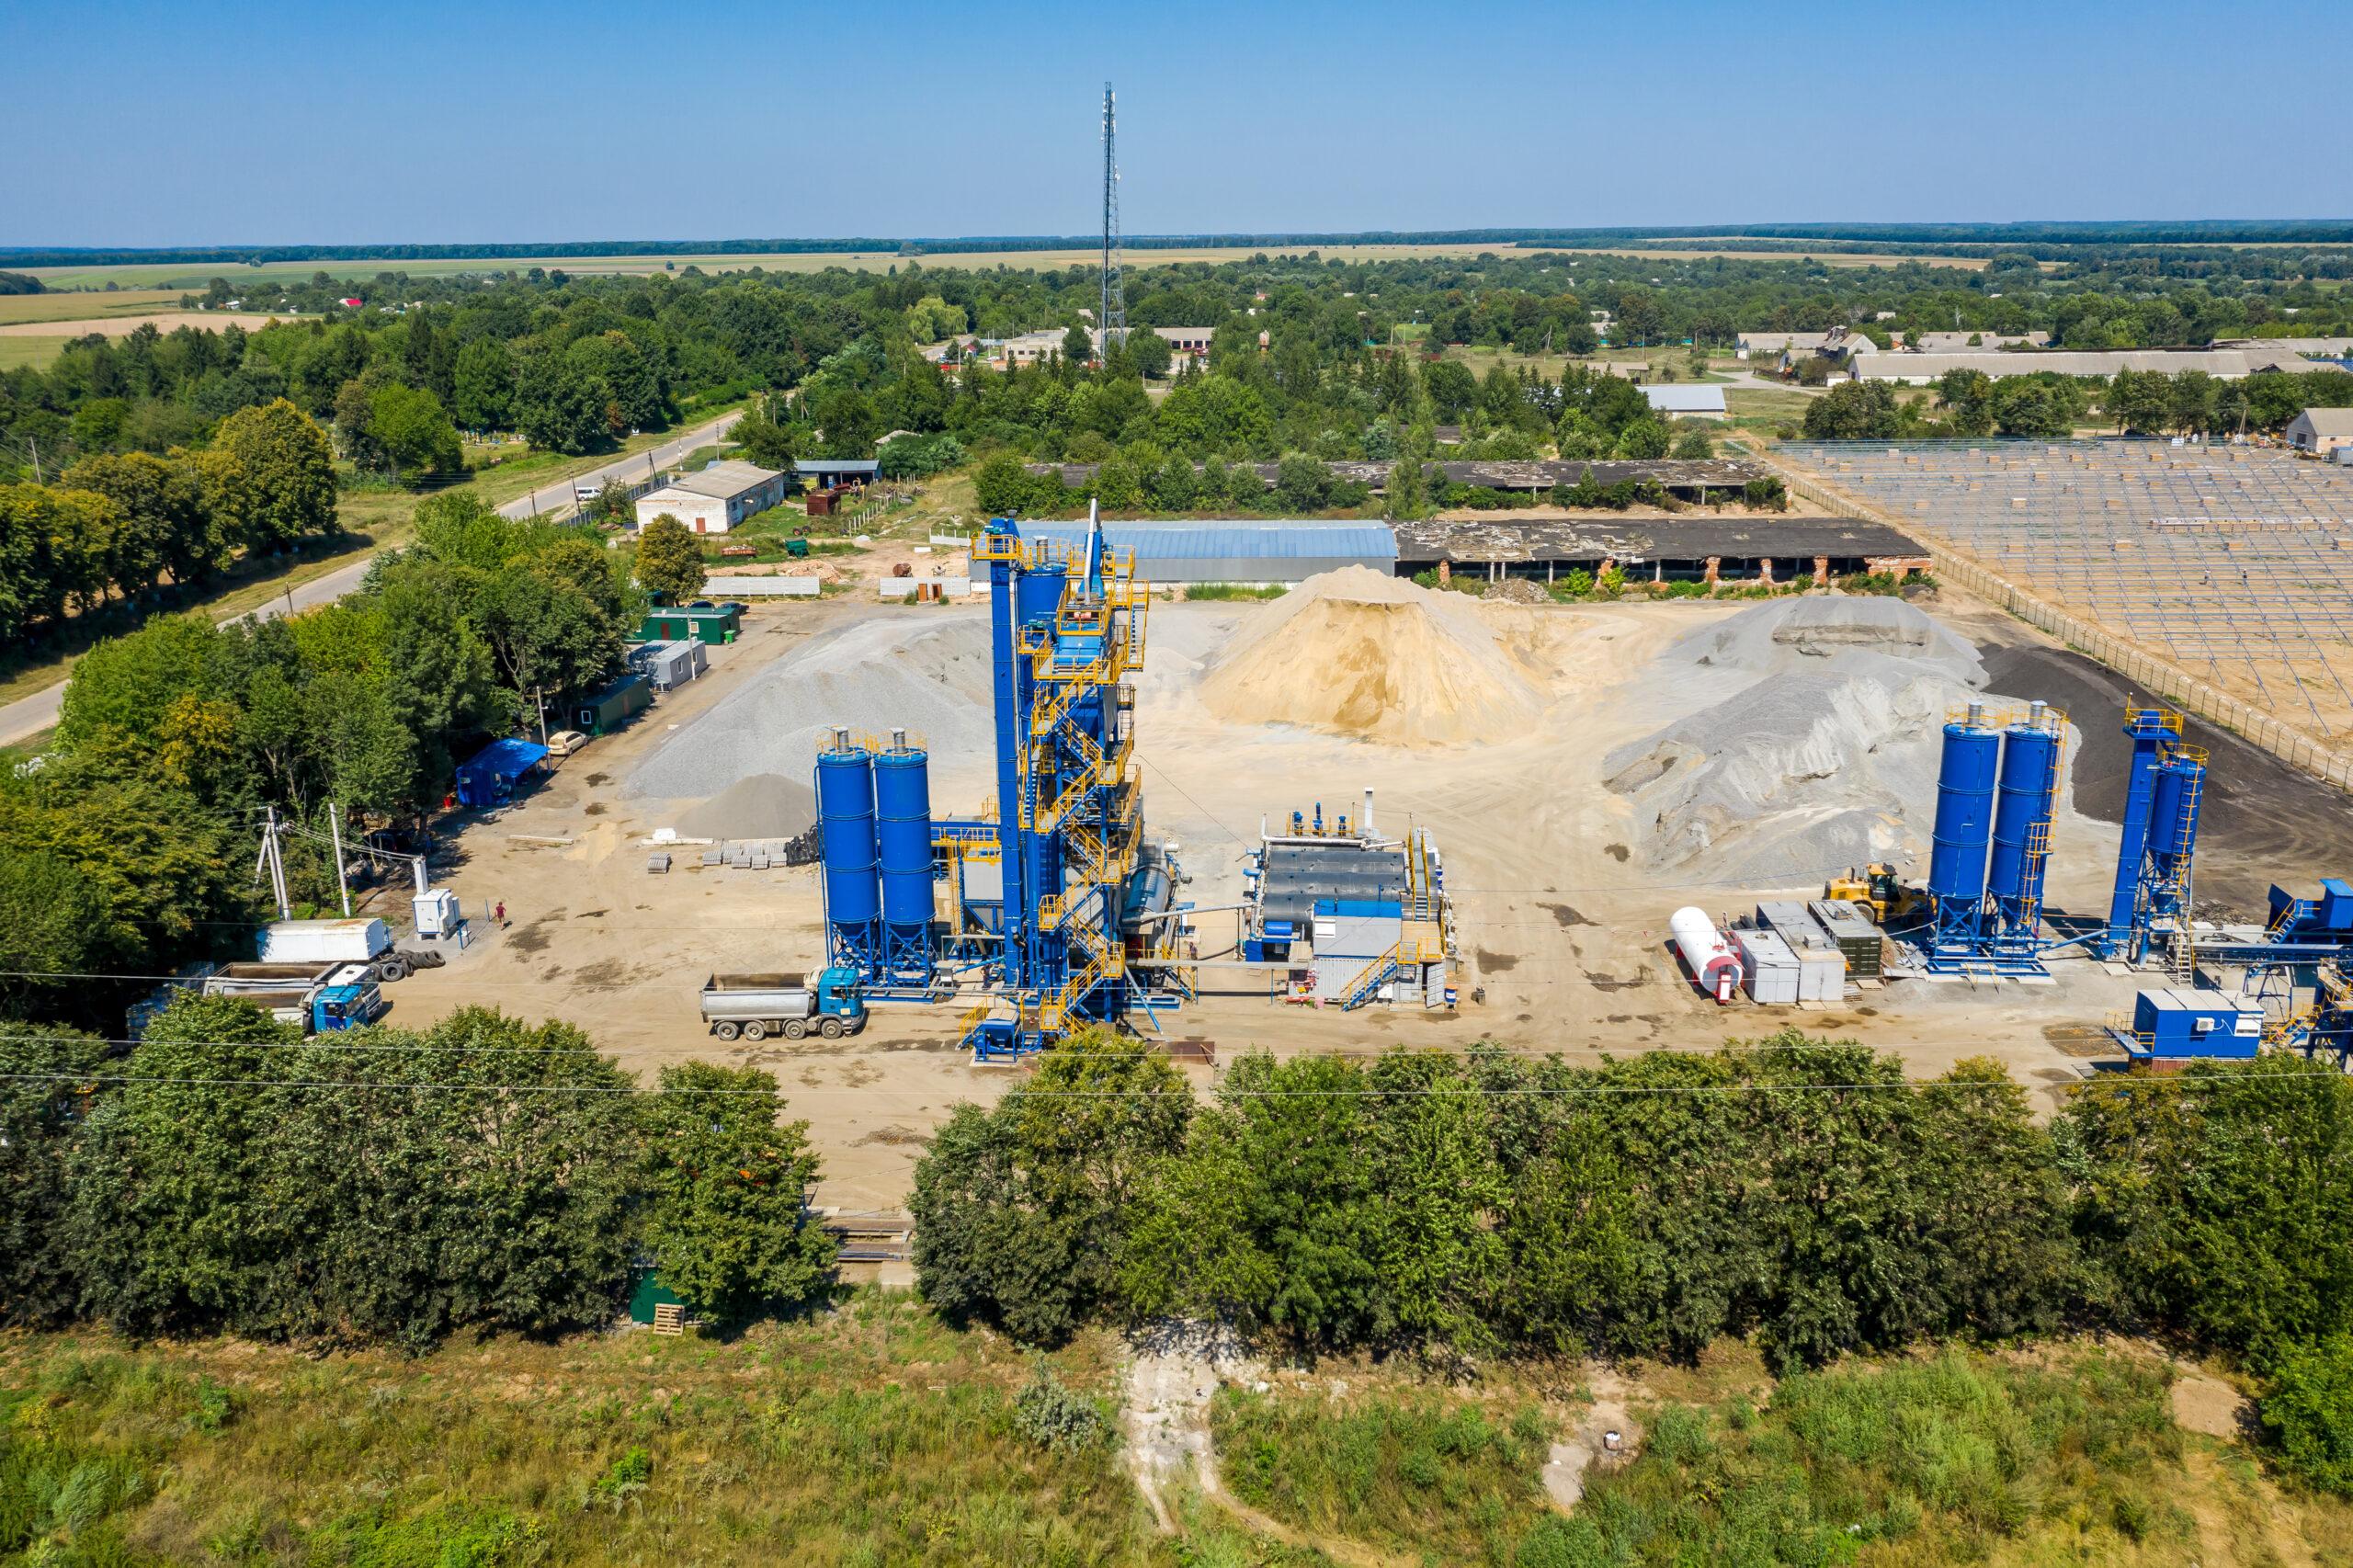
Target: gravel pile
{"type": "Point", "coordinates": [930, 676]}
{"type": "Point", "coordinates": [765, 805]}
{"type": "Point", "coordinates": [1373, 657]}
{"type": "Point", "coordinates": [1821, 753]}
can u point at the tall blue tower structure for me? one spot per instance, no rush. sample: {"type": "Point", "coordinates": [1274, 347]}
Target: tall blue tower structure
{"type": "Point", "coordinates": [1065, 634]}
{"type": "Point", "coordinates": [2163, 795]}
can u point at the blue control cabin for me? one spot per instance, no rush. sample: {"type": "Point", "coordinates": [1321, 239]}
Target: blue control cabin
{"type": "Point", "coordinates": [2179, 1024]}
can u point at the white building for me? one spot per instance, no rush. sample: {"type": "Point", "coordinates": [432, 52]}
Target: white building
{"type": "Point", "coordinates": [1706, 400]}
{"type": "Point", "coordinates": [2320, 431]}
{"type": "Point", "coordinates": [714, 499]}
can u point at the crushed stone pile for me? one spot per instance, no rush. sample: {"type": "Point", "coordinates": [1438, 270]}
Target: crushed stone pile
{"type": "Point", "coordinates": [1516, 591]}
{"type": "Point", "coordinates": [1376, 658]}
{"type": "Point", "coordinates": [930, 676]}
{"type": "Point", "coordinates": [765, 805]}
{"type": "Point", "coordinates": [1822, 752]}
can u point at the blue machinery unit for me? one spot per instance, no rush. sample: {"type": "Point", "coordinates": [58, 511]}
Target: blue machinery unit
{"type": "Point", "coordinates": [1051, 905]}
{"type": "Point", "coordinates": [1995, 793]}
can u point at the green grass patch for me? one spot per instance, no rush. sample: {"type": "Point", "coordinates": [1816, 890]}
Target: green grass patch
{"type": "Point", "coordinates": [870, 1436]}
{"type": "Point", "coordinates": [1427, 1473]}
{"type": "Point", "coordinates": [1953, 1460]}
{"type": "Point", "coordinates": [34, 352]}
{"type": "Point", "coordinates": [1215, 592]}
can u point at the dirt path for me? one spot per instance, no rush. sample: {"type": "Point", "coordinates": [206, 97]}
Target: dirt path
{"type": "Point", "coordinates": [1172, 1375]}
{"type": "Point", "coordinates": [1564, 1469]}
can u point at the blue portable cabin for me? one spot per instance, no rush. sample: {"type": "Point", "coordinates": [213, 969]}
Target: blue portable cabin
{"type": "Point", "coordinates": [489, 777]}
{"type": "Point", "coordinates": [2180, 1024]}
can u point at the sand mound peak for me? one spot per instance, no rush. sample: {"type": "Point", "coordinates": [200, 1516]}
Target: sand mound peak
{"type": "Point", "coordinates": [1377, 658]}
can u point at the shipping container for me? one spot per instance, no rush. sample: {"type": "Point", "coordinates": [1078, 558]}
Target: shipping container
{"type": "Point", "coordinates": [2172, 1024]}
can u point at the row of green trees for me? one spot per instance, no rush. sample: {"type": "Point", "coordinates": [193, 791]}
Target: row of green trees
{"type": "Point", "coordinates": [121, 854]}
{"type": "Point", "coordinates": [118, 526]}
{"type": "Point", "coordinates": [1799, 1190]}
{"type": "Point", "coordinates": [386, 1186]}
{"type": "Point", "coordinates": [2049, 405]}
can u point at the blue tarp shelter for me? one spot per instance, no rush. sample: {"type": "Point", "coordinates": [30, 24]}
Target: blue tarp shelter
{"type": "Point", "coordinates": [489, 775]}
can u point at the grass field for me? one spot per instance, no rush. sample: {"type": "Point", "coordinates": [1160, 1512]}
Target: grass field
{"type": "Point", "coordinates": [2070, 1456]}
{"type": "Point", "coordinates": [82, 306]}
{"type": "Point", "coordinates": [36, 352]}
{"type": "Point", "coordinates": [872, 1436]}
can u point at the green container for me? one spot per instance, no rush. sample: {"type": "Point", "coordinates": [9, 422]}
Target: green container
{"type": "Point", "coordinates": [796, 548]}
{"type": "Point", "coordinates": [647, 1292]}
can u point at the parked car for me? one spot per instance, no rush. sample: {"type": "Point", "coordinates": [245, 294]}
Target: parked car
{"type": "Point", "coordinates": [563, 743]}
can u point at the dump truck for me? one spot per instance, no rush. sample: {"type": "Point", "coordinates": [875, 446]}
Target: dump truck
{"type": "Point", "coordinates": [753, 1006]}
{"type": "Point", "coordinates": [314, 996]}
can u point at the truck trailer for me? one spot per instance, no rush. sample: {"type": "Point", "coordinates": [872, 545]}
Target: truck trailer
{"type": "Point", "coordinates": [753, 1006]}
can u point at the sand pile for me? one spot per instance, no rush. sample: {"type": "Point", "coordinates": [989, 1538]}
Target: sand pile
{"type": "Point", "coordinates": [1820, 752]}
{"type": "Point", "coordinates": [930, 676]}
{"type": "Point", "coordinates": [1376, 658]}
{"type": "Point", "coordinates": [765, 805]}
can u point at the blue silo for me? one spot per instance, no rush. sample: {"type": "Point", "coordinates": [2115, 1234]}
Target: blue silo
{"type": "Point", "coordinates": [903, 810]}
{"type": "Point", "coordinates": [847, 845]}
{"type": "Point", "coordinates": [2173, 831]}
{"type": "Point", "coordinates": [1965, 781]}
{"type": "Point", "coordinates": [2022, 813]}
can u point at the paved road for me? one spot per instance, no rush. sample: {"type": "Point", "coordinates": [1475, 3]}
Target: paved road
{"type": "Point", "coordinates": [31, 715]}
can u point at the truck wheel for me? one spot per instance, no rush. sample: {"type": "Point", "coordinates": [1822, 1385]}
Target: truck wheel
{"type": "Point", "coordinates": [754, 1030]}
{"type": "Point", "coordinates": [725, 1032]}
{"type": "Point", "coordinates": [393, 967]}
{"type": "Point", "coordinates": [794, 1028]}
{"type": "Point", "coordinates": [831, 1028]}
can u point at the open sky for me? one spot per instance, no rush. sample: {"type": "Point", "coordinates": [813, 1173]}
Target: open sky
{"type": "Point", "coordinates": [127, 122]}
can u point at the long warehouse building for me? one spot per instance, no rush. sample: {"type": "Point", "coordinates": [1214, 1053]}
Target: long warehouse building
{"type": "Point", "coordinates": [1236, 551]}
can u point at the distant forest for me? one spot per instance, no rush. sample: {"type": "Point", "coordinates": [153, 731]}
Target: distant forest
{"type": "Point", "coordinates": [1961, 238]}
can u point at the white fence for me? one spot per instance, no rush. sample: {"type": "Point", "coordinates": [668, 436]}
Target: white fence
{"type": "Point", "coordinates": [761, 587]}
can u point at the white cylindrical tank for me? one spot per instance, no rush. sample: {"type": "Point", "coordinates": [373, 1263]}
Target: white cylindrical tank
{"type": "Point", "coordinates": [1714, 966]}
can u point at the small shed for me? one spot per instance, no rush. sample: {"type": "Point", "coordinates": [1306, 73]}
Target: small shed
{"type": "Point", "coordinates": [692, 623]}
{"type": "Point", "coordinates": [668, 664]}
{"type": "Point", "coordinates": [488, 778]}
{"type": "Point", "coordinates": [827, 472]}
{"type": "Point", "coordinates": [602, 712]}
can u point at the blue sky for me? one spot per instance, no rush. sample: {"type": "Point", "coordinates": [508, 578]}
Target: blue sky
{"type": "Point", "coordinates": [140, 124]}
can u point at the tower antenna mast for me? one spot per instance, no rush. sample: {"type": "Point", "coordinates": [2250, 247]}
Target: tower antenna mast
{"type": "Point", "coordinates": [1111, 312]}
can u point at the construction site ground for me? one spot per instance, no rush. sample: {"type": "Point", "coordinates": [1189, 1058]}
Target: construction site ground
{"type": "Point", "coordinates": [1563, 931]}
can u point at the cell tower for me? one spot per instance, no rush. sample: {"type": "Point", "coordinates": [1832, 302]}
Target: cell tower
{"type": "Point", "coordinates": [1111, 315]}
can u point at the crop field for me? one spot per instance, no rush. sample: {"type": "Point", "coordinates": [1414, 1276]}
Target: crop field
{"type": "Point", "coordinates": [80, 305]}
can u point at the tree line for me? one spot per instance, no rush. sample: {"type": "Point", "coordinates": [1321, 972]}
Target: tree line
{"type": "Point", "coordinates": [1798, 1190]}
{"type": "Point", "coordinates": [574, 361]}
{"type": "Point", "coordinates": [386, 1186]}
{"type": "Point", "coordinates": [2049, 405]}
{"type": "Point", "coordinates": [123, 853]}
{"type": "Point", "coordinates": [115, 527]}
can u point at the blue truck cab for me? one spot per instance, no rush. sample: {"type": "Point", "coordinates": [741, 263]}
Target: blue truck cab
{"type": "Point", "coordinates": [350, 1005]}
{"type": "Point", "coordinates": [838, 997]}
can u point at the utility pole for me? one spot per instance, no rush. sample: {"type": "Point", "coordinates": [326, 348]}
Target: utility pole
{"type": "Point", "coordinates": [35, 447]}
{"type": "Point", "coordinates": [539, 696]}
{"type": "Point", "coordinates": [275, 862]}
{"type": "Point", "coordinates": [334, 833]}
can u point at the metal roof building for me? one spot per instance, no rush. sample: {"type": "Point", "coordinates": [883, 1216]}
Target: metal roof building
{"type": "Point", "coordinates": [1236, 550]}
{"type": "Point", "coordinates": [1705, 399]}
{"type": "Point", "coordinates": [2223, 364]}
